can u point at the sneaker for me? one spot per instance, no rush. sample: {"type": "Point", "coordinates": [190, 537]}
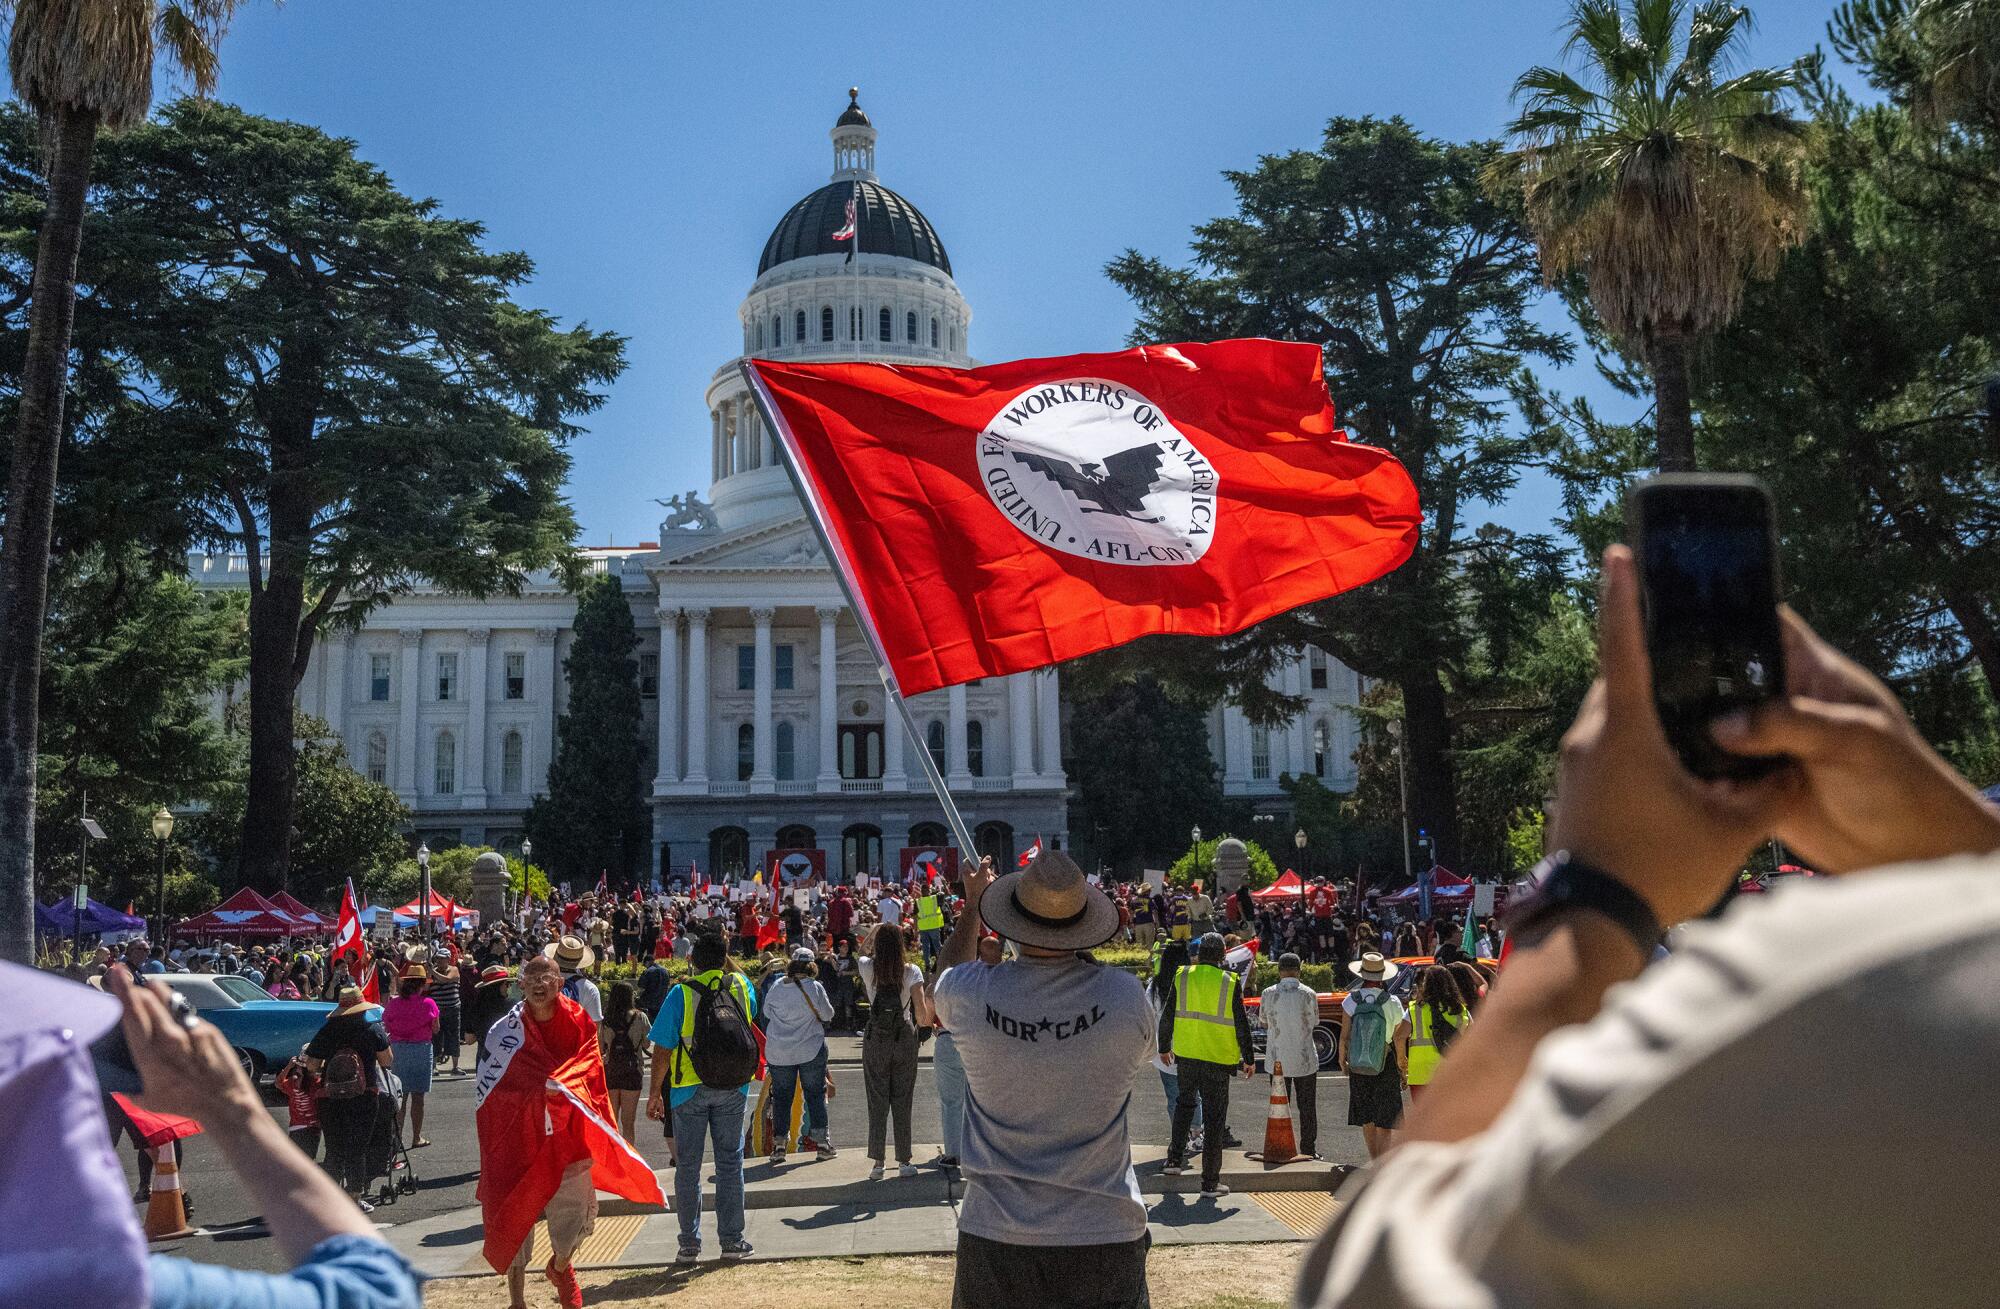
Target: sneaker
{"type": "Point", "coordinates": [875, 1173]}
{"type": "Point", "coordinates": [947, 1161]}
{"type": "Point", "coordinates": [1214, 1190]}
{"type": "Point", "coordinates": [807, 1145]}
{"type": "Point", "coordinates": [688, 1255]}
{"type": "Point", "coordinates": [737, 1249]}
{"type": "Point", "coordinates": [827, 1152]}
{"type": "Point", "coordinates": [569, 1291]}
{"type": "Point", "coordinates": [777, 1156]}
{"type": "Point", "coordinates": [1230, 1141]}
{"type": "Point", "coordinates": [363, 1205]}
{"type": "Point", "coordinates": [1195, 1142]}
{"type": "Point", "coordinates": [907, 1170]}
{"type": "Point", "coordinates": [1174, 1168]}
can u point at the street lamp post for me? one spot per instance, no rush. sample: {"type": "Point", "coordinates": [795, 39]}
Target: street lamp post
{"type": "Point", "coordinates": [163, 830]}
{"type": "Point", "coordinates": [1299, 840]}
{"type": "Point", "coordinates": [424, 895]}
{"type": "Point", "coordinates": [527, 853]}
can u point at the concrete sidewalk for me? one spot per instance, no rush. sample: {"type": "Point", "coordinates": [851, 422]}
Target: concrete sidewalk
{"type": "Point", "coordinates": [808, 1210]}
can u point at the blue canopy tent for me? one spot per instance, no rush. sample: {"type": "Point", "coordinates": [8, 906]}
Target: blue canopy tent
{"type": "Point", "coordinates": [61, 919]}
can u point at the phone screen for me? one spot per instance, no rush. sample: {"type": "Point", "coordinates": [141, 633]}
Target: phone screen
{"type": "Point", "coordinates": [1709, 577]}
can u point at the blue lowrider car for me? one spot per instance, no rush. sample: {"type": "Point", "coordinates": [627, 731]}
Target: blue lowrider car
{"type": "Point", "coordinates": [264, 1032]}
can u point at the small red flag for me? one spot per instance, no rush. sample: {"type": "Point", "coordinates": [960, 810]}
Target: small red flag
{"type": "Point", "coordinates": [769, 932]}
{"type": "Point", "coordinates": [347, 944]}
{"type": "Point", "coordinates": [998, 519]}
{"type": "Point", "coordinates": [1030, 854]}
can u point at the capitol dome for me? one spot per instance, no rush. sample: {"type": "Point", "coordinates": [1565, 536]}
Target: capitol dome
{"type": "Point", "coordinates": [889, 225]}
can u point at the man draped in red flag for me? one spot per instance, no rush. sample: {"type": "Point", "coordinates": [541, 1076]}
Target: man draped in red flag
{"type": "Point", "coordinates": [771, 930]}
{"type": "Point", "coordinates": [546, 1139]}
{"type": "Point", "coordinates": [994, 520]}
{"type": "Point", "coordinates": [348, 945]}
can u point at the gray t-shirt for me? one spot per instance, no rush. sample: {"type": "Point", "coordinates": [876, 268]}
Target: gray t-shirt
{"type": "Point", "coordinates": [1050, 1047]}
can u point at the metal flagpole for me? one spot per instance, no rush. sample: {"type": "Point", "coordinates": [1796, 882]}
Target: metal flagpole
{"type": "Point", "coordinates": [842, 569]}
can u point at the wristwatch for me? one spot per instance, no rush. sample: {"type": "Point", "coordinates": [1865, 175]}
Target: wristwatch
{"type": "Point", "coordinates": [1564, 882]}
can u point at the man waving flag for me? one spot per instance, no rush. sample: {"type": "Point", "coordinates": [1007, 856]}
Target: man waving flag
{"type": "Point", "coordinates": [348, 945]}
{"type": "Point", "coordinates": [998, 519]}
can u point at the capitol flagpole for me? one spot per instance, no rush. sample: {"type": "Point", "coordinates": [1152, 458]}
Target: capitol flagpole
{"type": "Point", "coordinates": [843, 569]}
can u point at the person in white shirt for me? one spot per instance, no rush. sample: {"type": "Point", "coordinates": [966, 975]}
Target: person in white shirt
{"type": "Point", "coordinates": [1290, 1011]}
{"type": "Point", "coordinates": [890, 909]}
{"type": "Point", "coordinates": [796, 1010]}
{"type": "Point", "coordinates": [1611, 1130]}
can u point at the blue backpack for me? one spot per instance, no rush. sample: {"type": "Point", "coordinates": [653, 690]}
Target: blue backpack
{"type": "Point", "coordinates": [1368, 1041]}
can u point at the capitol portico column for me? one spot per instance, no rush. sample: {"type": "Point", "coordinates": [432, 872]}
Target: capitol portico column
{"type": "Point", "coordinates": [406, 707]}
{"type": "Point", "coordinates": [669, 699]}
{"type": "Point", "coordinates": [1050, 711]}
{"type": "Point", "coordinates": [958, 769]}
{"type": "Point", "coordinates": [333, 683]}
{"type": "Point", "coordinates": [697, 701]}
{"type": "Point", "coordinates": [475, 717]}
{"type": "Point", "coordinates": [829, 701]}
{"type": "Point", "coordinates": [893, 734]}
{"type": "Point", "coordinates": [1021, 727]}
{"type": "Point", "coordinates": [761, 771]}
{"type": "Point", "coordinates": [542, 689]}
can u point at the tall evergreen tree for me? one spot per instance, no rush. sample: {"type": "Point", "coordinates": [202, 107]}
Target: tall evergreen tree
{"type": "Point", "coordinates": [325, 374]}
{"type": "Point", "coordinates": [1143, 773]}
{"type": "Point", "coordinates": [593, 818]}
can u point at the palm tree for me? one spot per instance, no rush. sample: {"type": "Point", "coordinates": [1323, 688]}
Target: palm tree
{"type": "Point", "coordinates": [1665, 182]}
{"type": "Point", "coordinates": [83, 66]}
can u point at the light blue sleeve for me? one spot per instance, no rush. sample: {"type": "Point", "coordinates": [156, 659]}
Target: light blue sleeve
{"type": "Point", "coordinates": [666, 1031]}
{"type": "Point", "coordinates": [342, 1272]}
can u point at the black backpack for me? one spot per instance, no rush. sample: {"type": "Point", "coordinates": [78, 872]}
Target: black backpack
{"type": "Point", "coordinates": [723, 1047]}
{"type": "Point", "coordinates": [346, 1076]}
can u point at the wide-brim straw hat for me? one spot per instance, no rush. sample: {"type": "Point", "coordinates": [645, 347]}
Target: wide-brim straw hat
{"type": "Point", "coordinates": [494, 975]}
{"type": "Point", "coordinates": [1372, 967]}
{"type": "Point", "coordinates": [350, 1000]}
{"type": "Point", "coordinates": [571, 953]}
{"type": "Point", "coordinates": [417, 971]}
{"type": "Point", "coordinates": [1050, 906]}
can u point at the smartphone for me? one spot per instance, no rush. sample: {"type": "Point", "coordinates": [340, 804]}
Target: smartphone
{"type": "Point", "coordinates": [1707, 548]}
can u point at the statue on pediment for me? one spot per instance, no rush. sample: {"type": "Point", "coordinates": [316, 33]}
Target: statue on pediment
{"type": "Point", "coordinates": [687, 513]}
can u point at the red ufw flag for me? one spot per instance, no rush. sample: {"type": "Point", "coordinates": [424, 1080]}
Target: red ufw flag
{"type": "Point", "coordinates": [542, 1107]}
{"type": "Point", "coordinates": [347, 944]}
{"type": "Point", "coordinates": [998, 519]}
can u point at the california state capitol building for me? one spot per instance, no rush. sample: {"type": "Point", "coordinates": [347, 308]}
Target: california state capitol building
{"type": "Point", "coordinates": [766, 709]}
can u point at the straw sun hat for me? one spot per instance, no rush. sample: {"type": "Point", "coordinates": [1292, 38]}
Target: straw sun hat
{"type": "Point", "coordinates": [1050, 906]}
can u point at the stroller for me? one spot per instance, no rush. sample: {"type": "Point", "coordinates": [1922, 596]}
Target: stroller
{"type": "Point", "coordinates": [388, 1158]}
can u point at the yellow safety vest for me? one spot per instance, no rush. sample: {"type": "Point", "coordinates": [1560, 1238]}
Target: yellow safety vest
{"type": "Point", "coordinates": [684, 1073]}
{"type": "Point", "coordinates": [1424, 1054]}
{"type": "Point", "coordinates": [930, 915]}
{"type": "Point", "coordinates": [1205, 1015]}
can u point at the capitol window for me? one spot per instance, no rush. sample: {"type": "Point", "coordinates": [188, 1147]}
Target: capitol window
{"type": "Point", "coordinates": [444, 775]}
{"type": "Point", "coordinates": [783, 662]}
{"type": "Point", "coordinates": [516, 674]}
{"type": "Point", "coordinates": [910, 327]}
{"type": "Point", "coordinates": [784, 739]}
{"type": "Point", "coordinates": [934, 334]}
{"type": "Point", "coordinates": [746, 751]}
{"type": "Point", "coordinates": [378, 677]}
{"type": "Point", "coordinates": [888, 331]}
{"type": "Point", "coordinates": [510, 763]}
{"type": "Point", "coordinates": [1316, 668]}
{"type": "Point", "coordinates": [799, 335]}
{"type": "Point", "coordinates": [378, 758]}
{"type": "Point", "coordinates": [746, 667]}
{"type": "Point", "coordinates": [1260, 753]}
{"type": "Point", "coordinates": [975, 748]}
{"type": "Point", "coordinates": [649, 676]}
{"type": "Point", "coordinates": [760, 335]}
{"type": "Point", "coordinates": [447, 677]}
{"type": "Point", "coordinates": [777, 330]}
{"type": "Point", "coordinates": [1322, 739]}
{"type": "Point", "coordinates": [826, 322]}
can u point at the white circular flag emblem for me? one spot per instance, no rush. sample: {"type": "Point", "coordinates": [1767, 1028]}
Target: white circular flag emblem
{"type": "Point", "coordinates": [1094, 469]}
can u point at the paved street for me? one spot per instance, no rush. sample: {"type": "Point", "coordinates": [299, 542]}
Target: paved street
{"type": "Point", "coordinates": [448, 1170]}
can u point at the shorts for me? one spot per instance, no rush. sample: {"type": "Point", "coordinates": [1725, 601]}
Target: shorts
{"type": "Point", "coordinates": [1375, 1099]}
{"type": "Point", "coordinates": [996, 1275]}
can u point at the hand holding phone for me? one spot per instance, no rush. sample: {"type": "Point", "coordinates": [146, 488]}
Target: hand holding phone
{"type": "Point", "coordinates": [1707, 552]}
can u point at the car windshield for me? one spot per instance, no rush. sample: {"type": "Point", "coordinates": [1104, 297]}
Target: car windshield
{"type": "Point", "coordinates": [241, 989]}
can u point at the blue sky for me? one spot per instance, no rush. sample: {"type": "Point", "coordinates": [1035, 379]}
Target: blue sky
{"type": "Point", "coordinates": [641, 151]}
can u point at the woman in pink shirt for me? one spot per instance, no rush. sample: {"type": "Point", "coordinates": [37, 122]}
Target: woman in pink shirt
{"type": "Point", "coordinates": [411, 1020]}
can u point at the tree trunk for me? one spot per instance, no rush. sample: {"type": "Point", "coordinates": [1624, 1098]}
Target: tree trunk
{"type": "Point", "coordinates": [31, 508]}
{"type": "Point", "coordinates": [1433, 786]}
{"type": "Point", "coordinates": [1976, 624]}
{"type": "Point", "coordinates": [1673, 413]}
{"type": "Point", "coordinates": [270, 794]}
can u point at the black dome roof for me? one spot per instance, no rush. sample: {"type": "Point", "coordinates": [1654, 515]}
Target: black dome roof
{"type": "Point", "coordinates": [890, 225]}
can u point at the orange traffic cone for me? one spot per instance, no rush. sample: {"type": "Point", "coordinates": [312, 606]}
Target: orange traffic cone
{"type": "Point", "coordinates": [1280, 1147]}
{"type": "Point", "coordinates": [166, 1216]}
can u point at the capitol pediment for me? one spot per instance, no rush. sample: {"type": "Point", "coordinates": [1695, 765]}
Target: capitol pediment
{"type": "Point", "coordinates": [788, 545]}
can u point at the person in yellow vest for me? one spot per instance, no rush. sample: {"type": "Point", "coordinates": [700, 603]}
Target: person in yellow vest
{"type": "Point", "coordinates": [1437, 1016]}
{"type": "Point", "coordinates": [1205, 1034]}
{"type": "Point", "coordinates": [702, 1110]}
{"type": "Point", "coordinates": [930, 926]}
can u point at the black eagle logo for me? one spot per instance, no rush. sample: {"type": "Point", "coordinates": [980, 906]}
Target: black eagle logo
{"type": "Point", "coordinates": [1118, 486]}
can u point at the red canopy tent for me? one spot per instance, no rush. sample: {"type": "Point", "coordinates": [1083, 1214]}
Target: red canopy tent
{"type": "Point", "coordinates": [1287, 887]}
{"type": "Point", "coordinates": [443, 908]}
{"type": "Point", "coordinates": [312, 918]}
{"type": "Point", "coordinates": [244, 914]}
